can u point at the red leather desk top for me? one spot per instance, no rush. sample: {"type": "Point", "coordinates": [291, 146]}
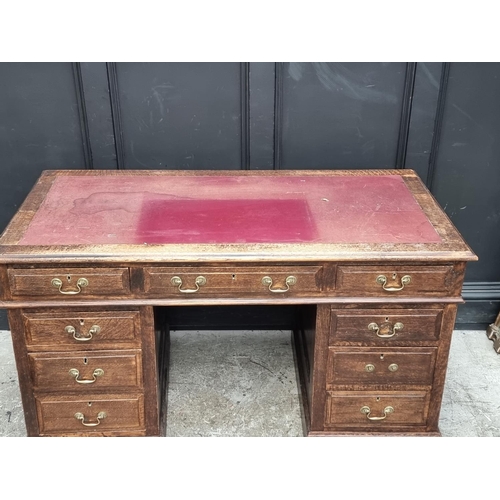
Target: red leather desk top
{"type": "Point", "coordinates": [228, 209]}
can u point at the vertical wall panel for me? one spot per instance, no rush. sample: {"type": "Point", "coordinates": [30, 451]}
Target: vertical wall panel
{"type": "Point", "coordinates": [423, 114]}
{"type": "Point", "coordinates": [98, 109]}
{"type": "Point", "coordinates": [262, 115]}
{"type": "Point", "coordinates": [181, 115]}
{"type": "Point", "coordinates": [341, 115]}
{"type": "Point", "coordinates": [467, 176]}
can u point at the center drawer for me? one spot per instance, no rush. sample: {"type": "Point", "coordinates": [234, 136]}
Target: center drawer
{"type": "Point", "coordinates": [84, 370]}
{"type": "Point", "coordinates": [374, 366]}
{"type": "Point", "coordinates": [235, 282]}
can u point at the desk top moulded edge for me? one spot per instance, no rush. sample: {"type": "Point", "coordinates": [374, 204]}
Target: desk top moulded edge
{"type": "Point", "coordinates": [452, 248]}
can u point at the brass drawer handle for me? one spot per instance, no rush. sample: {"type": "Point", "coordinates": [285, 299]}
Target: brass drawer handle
{"type": "Point", "coordinates": [290, 281]}
{"type": "Point", "coordinates": [100, 416]}
{"type": "Point", "coordinates": [366, 411]}
{"type": "Point", "coordinates": [382, 280]}
{"type": "Point", "coordinates": [77, 336]}
{"type": "Point", "coordinates": [98, 372]}
{"type": "Point", "coordinates": [199, 281]}
{"type": "Point", "coordinates": [81, 283]}
{"type": "Point", "coordinates": [385, 327]}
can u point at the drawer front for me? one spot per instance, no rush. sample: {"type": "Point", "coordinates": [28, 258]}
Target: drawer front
{"type": "Point", "coordinates": [397, 281]}
{"type": "Point", "coordinates": [84, 371]}
{"type": "Point", "coordinates": [376, 410]}
{"type": "Point", "coordinates": [369, 366]}
{"type": "Point", "coordinates": [71, 283]}
{"type": "Point", "coordinates": [263, 281]}
{"type": "Point", "coordinates": [385, 326]}
{"type": "Point", "coordinates": [78, 330]}
{"type": "Point", "coordinates": [90, 414]}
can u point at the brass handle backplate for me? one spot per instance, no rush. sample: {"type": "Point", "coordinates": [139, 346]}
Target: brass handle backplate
{"type": "Point", "coordinates": [78, 336]}
{"type": "Point", "coordinates": [382, 280]}
{"type": "Point", "coordinates": [365, 410]}
{"type": "Point", "coordinates": [81, 283]}
{"type": "Point", "coordinates": [100, 416]}
{"type": "Point", "coordinates": [370, 367]}
{"type": "Point", "coordinates": [199, 281]}
{"type": "Point", "coordinates": [98, 372]}
{"type": "Point", "coordinates": [381, 330]}
{"type": "Point", "coordinates": [290, 281]}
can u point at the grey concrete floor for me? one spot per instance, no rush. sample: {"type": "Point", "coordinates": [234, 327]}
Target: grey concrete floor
{"type": "Point", "coordinates": [244, 384]}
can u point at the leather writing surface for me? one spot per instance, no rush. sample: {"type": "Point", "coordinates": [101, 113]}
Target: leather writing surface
{"type": "Point", "coordinates": [226, 221]}
{"type": "Point", "coordinates": [136, 209]}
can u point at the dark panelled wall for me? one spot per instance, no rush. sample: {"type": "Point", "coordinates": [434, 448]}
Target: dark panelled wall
{"type": "Point", "coordinates": [466, 177]}
{"type": "Point", "coordinates": [440, 119]}
{"type": "Point", "coordinates": [332, 115]}
{"type": "Point", "coordinates": [183, 116]}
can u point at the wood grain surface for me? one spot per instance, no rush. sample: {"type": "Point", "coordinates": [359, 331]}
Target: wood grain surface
{"type": "Point", "coordinates": [381, 252]}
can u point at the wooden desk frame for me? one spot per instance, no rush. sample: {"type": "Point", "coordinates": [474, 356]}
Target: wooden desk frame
{"type": "Point", "coordinates": [347, 387]}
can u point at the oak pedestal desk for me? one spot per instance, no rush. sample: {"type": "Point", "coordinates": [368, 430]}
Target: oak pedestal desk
{"type": "Point", "coordinates": [93, 259]}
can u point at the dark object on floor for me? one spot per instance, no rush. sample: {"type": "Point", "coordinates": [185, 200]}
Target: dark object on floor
{"type": "Point", "coordinates": [493, 333]}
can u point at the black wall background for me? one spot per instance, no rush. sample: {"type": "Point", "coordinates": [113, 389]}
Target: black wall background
{"type": "Point", "coordinates": [441, 119]}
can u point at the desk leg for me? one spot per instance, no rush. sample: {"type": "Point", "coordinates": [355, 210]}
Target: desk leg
{"type": "Point", "coordinates": [162, 332]}
{"type": "Point", "coordinates": [152, 360]}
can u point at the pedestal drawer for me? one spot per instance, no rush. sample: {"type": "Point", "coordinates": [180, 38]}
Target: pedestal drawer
{"type": "Point", "coordinates": [376, 409]}
{"type": "Point", "coordinates": [385, 326]}
{"type": "Point", "coordinates": [86, 370]}
{"type": "Point", "coordinates": [73, 329]}
{"type": "Point", "coordinates": [90, 414]}
{"type": "Point", "coordinates": [374, 366]}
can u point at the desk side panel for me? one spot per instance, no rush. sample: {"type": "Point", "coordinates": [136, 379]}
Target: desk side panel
{"type": "Point", "coordinates": [23, 371]}
{"type": "Point", "coordinates": [150, 372]}
{"type": "Point", "coordinates": [323, 318]}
